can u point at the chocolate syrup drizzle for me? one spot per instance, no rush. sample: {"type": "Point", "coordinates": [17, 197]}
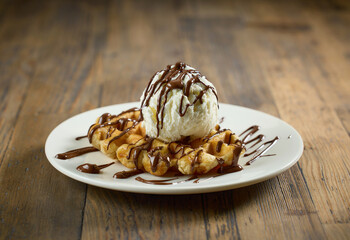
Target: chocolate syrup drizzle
{"type": "Point", "coordinates": [127, 174]}
{"type": "Point", "coordinates": [119, 124]}
{"type": "Point", "coordinates": [75, 153]}
{"type": "Point", "coordinates": [173, 78]}
{"type": "Point", "coordinates": [167, 181]}
{"type": "Point", "coordinates": [260, 150]}
{"type": "Point", "coordinates": [248, 134]}
{"type": "Point", "coordinates": [156, 182]}
{"type": "Point", "coordinates": [263, 148]}
{"type": "Point", "coordinates": [92, 168]}
{"type": "Point", "coordinates": [80, 137]}
{"type": "Point", "coordinates": [135, 151]}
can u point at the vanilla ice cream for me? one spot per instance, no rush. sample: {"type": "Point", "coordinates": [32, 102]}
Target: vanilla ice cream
{"type": "Point", "coordinates": [179, 102]}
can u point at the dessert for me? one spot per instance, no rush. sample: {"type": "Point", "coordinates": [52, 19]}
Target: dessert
{"type": "Point", "coordinates": [175, 128]}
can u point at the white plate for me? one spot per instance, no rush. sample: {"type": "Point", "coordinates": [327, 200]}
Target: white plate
{"type": "Point", "coordinates": [287, 150]}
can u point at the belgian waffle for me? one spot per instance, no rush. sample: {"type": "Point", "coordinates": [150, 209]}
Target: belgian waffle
{"type": "Point", "coordinates": [123, 138]}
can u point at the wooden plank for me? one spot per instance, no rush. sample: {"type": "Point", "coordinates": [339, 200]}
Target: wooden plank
{"type": "Point", "coordinates": [47, 76]}
{"type": "Point", "coordinates": [137, 47]}
{"type": "Point", "coordinates": [337, 230]}
{"type": "Point", "coordinates": [329, 179]}
{"type": "Point", "coordinates": [296, 212]}
{"type": "Point", "coordinates": [28, 203]}
{"type": "Point", "coordinates": [330, 65]}
{"type": "Point", "coordinates": [294, 83]}
{"type": "Point", "coordinates": [111, 214]}
{"type": "Point", "coordinates": [329, 73]}
{"type": "Point", "coordinates": [16, 70]}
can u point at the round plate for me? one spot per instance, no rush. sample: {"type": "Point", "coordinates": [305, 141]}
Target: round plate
{"type": "Point", "coordinates": [281, 156]}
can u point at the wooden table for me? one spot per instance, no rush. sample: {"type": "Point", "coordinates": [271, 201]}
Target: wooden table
{"type": "Point", "coordinates": [289, 59]}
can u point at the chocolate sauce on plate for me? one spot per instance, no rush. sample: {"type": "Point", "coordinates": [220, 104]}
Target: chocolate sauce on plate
{"type": "Point", "coordinates": [75, 153]}
{"type": "Point", "coordinates": [156, 182]}
{"type": "Point", "coordinates": [263, 148]}
{"type": "Point", "coordinates": [127, 174]}
{"type": "Point", "coordinates": [247, 134]}
{"type": "Point", "coordinates": [92, 168]}
{"type": "Point", "coordinates": [80, 137]}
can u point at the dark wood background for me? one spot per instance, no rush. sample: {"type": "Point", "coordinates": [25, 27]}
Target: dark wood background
{"type": "Point", "coordinates": [290, 59]}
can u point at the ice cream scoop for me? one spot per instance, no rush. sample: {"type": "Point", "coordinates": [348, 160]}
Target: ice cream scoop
{"type": "Point", "coordinates": [179, 102]}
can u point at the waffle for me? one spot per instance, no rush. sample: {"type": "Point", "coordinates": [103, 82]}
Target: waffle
{"type": "Point", "coordinates": [123, 138]}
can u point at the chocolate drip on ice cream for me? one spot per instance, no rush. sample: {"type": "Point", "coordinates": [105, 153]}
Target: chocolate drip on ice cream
{"type": "Point", "coordinates": [173, 78]}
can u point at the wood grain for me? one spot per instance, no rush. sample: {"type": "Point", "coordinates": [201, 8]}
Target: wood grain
{"type": "Point", "coordinates": [290, 59]}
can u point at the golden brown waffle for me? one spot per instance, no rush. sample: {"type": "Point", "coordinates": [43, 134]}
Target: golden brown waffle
{"type": "Point", "coordinates": [123, 138]}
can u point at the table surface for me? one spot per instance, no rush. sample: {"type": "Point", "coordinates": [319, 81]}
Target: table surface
{"type": "Point", "coordinates": [290, 59]}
